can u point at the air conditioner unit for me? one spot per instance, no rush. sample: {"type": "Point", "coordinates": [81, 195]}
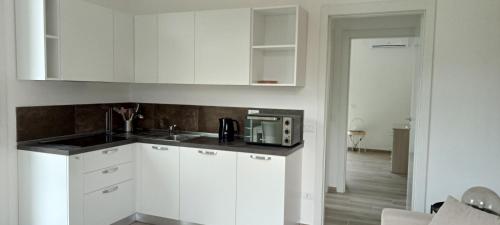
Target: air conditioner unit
{"type": "Point", "coordinates": [389, 43]}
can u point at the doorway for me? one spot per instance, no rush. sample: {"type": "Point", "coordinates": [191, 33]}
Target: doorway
{"type": "Point", "coordinates": [375, 66]}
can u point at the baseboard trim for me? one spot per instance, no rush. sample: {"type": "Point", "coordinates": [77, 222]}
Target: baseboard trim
{"type": "Point", "coordinates": [371, 150]}
{"type": "Point", "coordinates": [143, 218]}
{"type": "Point", "coordinates": [332, 190]}
{"type": "Point", "coordinates": [126, 221]}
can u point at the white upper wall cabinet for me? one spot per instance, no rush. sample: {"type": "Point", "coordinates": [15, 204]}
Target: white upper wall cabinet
{"type": "Point", "coordinates": [77, 40]}
{"type": "Point", "coordinates": [176, 48]}
{"type": "Point", "coordinates": [37, 39]}
{"type": "Point", "coordinates": [87, 42]}
{"type": "Point", "coordinates": [124, 47]}
{"type": "Point", "coordinates": [223, 47]}
{"type": "Point", "coordinates": [279, 46]}
{"type": "Point", "coordinates": [146, 49]}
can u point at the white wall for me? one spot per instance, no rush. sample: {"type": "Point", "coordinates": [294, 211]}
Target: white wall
{"type": "Point", "coordinates": [4, 206]}
{"type": "Point", "coordinates": [465, 126]}
{"type": "Point", "coordinates": [379, 91]}
{"type": "Point", "coordinates": [27, 93]}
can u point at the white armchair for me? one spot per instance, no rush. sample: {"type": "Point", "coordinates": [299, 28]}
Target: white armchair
{"type": "Point", "coordinates": [480, 197]}
{"type": "Point", "coordinates": [404, 217]}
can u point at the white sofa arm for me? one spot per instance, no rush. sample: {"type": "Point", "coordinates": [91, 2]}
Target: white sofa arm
{"type": "Point", "coordinates": [404, 217]}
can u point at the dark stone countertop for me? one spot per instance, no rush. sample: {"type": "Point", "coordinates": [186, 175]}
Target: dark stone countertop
{"type": "Point", "coordinates": [204, 142]}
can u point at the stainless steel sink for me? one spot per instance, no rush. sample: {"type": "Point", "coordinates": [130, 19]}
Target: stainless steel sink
{"type": "Point", "coordinates": [181, 137]}
{"type": "Point", "coordinates": [160, 135]}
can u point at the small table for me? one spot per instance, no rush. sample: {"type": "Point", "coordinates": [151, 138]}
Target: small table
{"type": "Point", "coordinates": [356, 136]}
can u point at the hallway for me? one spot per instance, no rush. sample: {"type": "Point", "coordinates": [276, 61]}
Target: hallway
{"type": "Point", "coordinates": [371, 187]}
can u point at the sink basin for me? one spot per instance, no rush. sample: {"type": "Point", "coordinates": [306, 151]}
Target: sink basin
{"type": "Point", "coordinates": [159, 135]}
{"type": "Point", "coordinates": [181, 137]}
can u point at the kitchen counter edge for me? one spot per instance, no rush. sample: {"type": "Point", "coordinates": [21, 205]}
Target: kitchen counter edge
{"type": "Point", "coordinates": [203, 143]}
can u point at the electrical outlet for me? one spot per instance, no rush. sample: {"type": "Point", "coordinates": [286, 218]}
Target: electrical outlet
{"type": "Point", "coordinates": [309, 127]}
{"type": "Point", "coordinates": [308, 196]}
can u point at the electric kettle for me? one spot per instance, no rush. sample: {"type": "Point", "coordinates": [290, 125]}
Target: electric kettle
{"type": "Point", "coordinates": [227, 129]}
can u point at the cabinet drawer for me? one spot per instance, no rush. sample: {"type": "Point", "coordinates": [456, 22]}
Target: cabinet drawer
{"type": "Point", "coordinates": [108, 205]}
{"type": "Point", "coordinates": [108, 176]}
{"type": "Point", "coordinates": [107, 157]}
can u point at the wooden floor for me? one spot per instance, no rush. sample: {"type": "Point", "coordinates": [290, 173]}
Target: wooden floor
{"type": "Point", "coordinates": [371, 187]}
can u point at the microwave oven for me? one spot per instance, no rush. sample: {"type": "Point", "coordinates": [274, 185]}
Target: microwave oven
{"type": "Point", "coordinates": [266, 129]}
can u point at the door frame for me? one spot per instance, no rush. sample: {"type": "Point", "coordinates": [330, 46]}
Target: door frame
{"type": "Point", "coordinates": [422, 121]}
{"type": "Point", "coordinates": [356, 28]}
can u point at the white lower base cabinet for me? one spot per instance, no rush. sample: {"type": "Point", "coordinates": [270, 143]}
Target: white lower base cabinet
{"type": "Point", "coordinates": [261, 190]}
{"type": "Point", "coordinates": [268, 189]}
{"type": "Point", "coordinates": [109, 205]}
{"type": "Point", "coordinates": [94, 188]}
{"type": "Point", "coordinates": [202, 186]}
{"type": "Point", "coordinates": [208, 186]}
{"type": "Point", "coordinates": [158, 181]}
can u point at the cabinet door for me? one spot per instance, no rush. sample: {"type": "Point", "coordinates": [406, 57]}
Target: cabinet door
{"type": "Point", "coordinates": [261, 190]}
{"type": "Point", "coordinates": [86, 41]}
{"type": "Point", "coordinates": [159, 183]}
{"type": "Point", "coordinates": [124, 47]}
{"type": "Point", "coordinates": [146, 49]}
{"type": "Point", "coordinates": [109, 205]}
{"type": "Point", "coordinates": [223, 47]}
{"type": "Point", "coordinates": [30, 39]}
{"type": "Point", "coordinates": [208, 186]}
{"type": "Point", "coordinates": [176, 48]}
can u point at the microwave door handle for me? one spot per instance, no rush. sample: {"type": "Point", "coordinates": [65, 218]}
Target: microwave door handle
{"type": "Point", "coordinates": [263, 118]}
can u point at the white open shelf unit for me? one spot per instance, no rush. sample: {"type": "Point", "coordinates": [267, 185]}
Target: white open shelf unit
{"type": "Point", "coordinates": [278, 46]}
{"type": "Point", "coordinates": [52, 42]}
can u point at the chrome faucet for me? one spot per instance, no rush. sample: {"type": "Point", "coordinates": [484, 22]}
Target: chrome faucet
{"type": "Point", "coordinates": [109, 121]}
{"type": "Point", "coordinates": [171, 129]}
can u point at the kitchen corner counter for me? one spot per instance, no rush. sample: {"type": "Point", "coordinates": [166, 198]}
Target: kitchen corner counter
{"type": "Point", "coordinates": [199, 142]}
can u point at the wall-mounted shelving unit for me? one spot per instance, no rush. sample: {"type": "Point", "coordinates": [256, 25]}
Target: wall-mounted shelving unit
{"type": "Point", "coordinates": [52, 42]}
{"type": "Point", "coordinates": [278, 46]}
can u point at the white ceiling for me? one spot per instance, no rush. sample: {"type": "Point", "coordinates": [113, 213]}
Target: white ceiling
{"type": "Point", "coordinates": [156, 6]}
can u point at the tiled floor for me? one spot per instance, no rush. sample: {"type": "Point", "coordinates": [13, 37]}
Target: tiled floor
{"type": "Point", "coordinates": [371, 187]}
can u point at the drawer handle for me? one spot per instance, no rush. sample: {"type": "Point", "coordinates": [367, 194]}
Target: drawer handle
{"type": "Point", "coordinates": [211, 153]}
{"type": "Point", "coordinates": [256, 157]}
{"type": "Point", "coordinates": [109, 151]}
{"type": "Point", "coordinates": [110, 170]}
{"type": "Point", "coordinates": [160, 148]}
{"type": "Point", "coordinates": [110, 190]}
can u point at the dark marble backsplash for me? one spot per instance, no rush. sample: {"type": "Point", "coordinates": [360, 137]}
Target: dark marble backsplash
{"type": "Point", "coordinates": [35, 122]}
{"type": "Point", "coordinates": [50, 121]}
{"type": "Point", "coordinates": [188, 117]}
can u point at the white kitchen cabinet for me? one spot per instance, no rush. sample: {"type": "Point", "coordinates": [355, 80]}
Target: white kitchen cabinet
{"type": "Point", "coordinates": [37, 39]}
{"type": "Point", "coordinates": [109, 205]}
{"type": "Point", "coordinates": [223, 47]}
{"type": "Point", "coordinates": [176, 48]}
{"type": "Point", "coordinates": [87, 42]}
{"type": "Point", "coordinates": [146, 49]}
{"type": "Point", "coordinates": [268, 189]}
{"type": "Point", "coordinates": [123, 47]}
{"type": "Point", "coordinates": [279, 46]}
{"type": "Point", "coordinates": [158, 187]}
{"type": "Point", "coordinates": [45, 182]}
{"type": "Point", "coordinates": [207, 186]}
{"type": "Point", "coordinates": [261, 189]}
{"type": "Point", "coordinates": [61, 187]}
